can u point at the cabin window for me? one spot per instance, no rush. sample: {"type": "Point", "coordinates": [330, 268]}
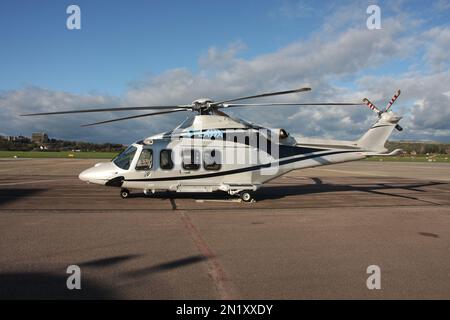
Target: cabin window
{"type": "Point", "coordinates": [165, 159]}
{"type": "Point", "coordinates": [190, 159]}
{"type": "Point", "coordinates": [212, 160]}
{"type": "Point", "coordinates": [123, 160]}
{"type": "Point", "coordinates": [145, 160]}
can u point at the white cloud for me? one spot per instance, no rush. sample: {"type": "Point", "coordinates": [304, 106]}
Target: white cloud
{"type": "Point", "coordinates": [423, 102]}
{"type": "Point", "coordinates": [32, 99]}
{"type": "Point", "coordinates": [438, 47]}
{"type": "Point", "coordinates": [217, 58]}
{"type": "Point", "coordinates": [432, 114]}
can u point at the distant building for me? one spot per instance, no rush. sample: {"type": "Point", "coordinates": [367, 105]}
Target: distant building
{"type": "Point", "coordinates": [39, 137]}
{"type": "Point", "coordinates": [18, 139]}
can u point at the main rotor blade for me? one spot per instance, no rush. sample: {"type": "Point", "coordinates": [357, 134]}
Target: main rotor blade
{"type": "Point", "coordinates": [291, 104]}
{"type": "Point", "coordinates": [268, 94]}
{"type": "Point", "coordinates": [134, 117]}
{"type": "Point", "coordinates": [107, 110]}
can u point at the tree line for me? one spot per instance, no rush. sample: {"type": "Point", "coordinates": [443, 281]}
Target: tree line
{"type": "Point", "coordinates": [413, 147]}
{"type": "Point", "coordinates": [25, 144]}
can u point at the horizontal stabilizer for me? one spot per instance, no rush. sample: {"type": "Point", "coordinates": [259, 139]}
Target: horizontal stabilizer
{"type": "Point", "coordinates": [394, 153]}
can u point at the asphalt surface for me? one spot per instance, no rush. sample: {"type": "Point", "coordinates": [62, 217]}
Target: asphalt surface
{"type": "Point", "coordinates": [311, 234]}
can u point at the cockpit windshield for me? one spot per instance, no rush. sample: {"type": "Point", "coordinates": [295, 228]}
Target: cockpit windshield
{"type": "Point", "coordinates": [123, 160]}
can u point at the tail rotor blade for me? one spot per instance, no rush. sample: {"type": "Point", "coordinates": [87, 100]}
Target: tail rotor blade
{"type": "Point", "coordinates": [394, 98]}
{"type": "Point", "coordinates": [372, 106]}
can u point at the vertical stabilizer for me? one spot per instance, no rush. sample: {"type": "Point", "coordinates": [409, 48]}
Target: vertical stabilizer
{"type": "Point", "coordinates": [375, 138]}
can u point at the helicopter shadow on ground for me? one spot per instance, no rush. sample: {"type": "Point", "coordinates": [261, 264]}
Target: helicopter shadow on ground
{"type": "Point", "coordinates": [160, 267]}
{"type": "Point", "coordinates": [10, 194]}
{"type": "Point", "coordinates": [281, 191]}
{"type": "Point", "coordinates": [52, 285]}
{"type": "Point", "coordinates": [216, 195]}
{"type": "Point", "coordinates": [273, 192]}
{"type": "Point", "coordinates": [48, 285]}
{"type": "Point", "coordinates": [166, 266]}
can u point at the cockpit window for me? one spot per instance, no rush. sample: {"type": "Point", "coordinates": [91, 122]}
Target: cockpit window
{"type": "Point", "coordinates": [124, 159]}
{"type": "Point", "coordinates": [145, 160]}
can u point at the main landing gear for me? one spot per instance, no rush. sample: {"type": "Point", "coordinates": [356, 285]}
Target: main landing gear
{"type": "Point", "coordinates": [246, 196]}
{"type": "Point", "coordinates": [124, 193]}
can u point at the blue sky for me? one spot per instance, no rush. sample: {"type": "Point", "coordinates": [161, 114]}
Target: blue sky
{"type": "Point", "coordinates": [121, 41]}
{"type": "Point", "coordinates": [132, 51]}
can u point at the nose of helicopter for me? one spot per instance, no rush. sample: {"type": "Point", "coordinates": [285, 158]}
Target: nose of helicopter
{"type": "Point", "coordinates": [85, 175]}
{"type": "Point", "coordinates": [99, 174]}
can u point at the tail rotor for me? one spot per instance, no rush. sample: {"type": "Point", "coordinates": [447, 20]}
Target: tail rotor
{"type": "Point", "coordinates": [372, 107]}
{"type": "Point", "coordinates": [380, 112]}
{"type": "Point", "coordinates": [394, 98]}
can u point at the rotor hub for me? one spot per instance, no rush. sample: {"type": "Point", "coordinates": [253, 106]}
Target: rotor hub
{"type": "Point", "coordinates": [202, 104]}
{"type": "Point", "coordinates": [203, 101]}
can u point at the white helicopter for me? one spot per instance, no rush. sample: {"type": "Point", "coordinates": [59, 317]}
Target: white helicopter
{"type": "Point", "coordinates": [212, 151]}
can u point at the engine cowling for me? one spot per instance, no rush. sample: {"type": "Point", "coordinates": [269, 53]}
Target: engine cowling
{"type": "Point", "coordinates": [283, 136]}
{"type": "Point", "coordinates": [281, 133]}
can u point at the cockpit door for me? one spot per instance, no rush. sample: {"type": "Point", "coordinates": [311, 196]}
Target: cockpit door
{"type": "Point", "coordinates": [144, 163]}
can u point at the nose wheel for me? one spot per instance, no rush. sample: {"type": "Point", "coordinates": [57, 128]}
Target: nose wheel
{"type": "Point", "coordinates": [124, 193]}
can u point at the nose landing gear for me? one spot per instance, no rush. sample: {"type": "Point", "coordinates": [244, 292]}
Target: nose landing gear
{"type": "Point", "coordinates": [124, 193]}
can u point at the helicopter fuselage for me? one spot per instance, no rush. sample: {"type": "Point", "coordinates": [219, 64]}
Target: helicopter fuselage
{"type": "Point", "coordinates": [213, 151]}
{"type": "Point", "coordinates": [233, 157]}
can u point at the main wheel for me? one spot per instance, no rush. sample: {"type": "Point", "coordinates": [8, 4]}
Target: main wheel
{"type": "Point", "coordinates": [124, 193]}
{"type": "Point", "coordinates": [246, 196]}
